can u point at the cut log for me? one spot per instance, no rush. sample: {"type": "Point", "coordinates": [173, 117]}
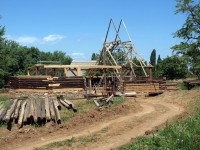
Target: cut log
{"type": "Point", "coordinates": [26, 111]}
{"type": "Point", "coordinates": [21, 114]}
{"type": "Point", "coordinates": [96, 103]}
{"type": "Point", "coordinates": [31, 111]}
{"type": "Point", "coordinates": [71, 105]}
{"type": "Point", "coordinates": [5, 110]}
{"type": "Point", "coordinates": [64, 103]}
{"type": "Point", "coordinates": [43, 115]}
{"type": "Point", "coordinates": [55, 103]}
{"type": "Point", "coordinates": [47, 111]}
{"type": "Point", "coordinates": [52, 111]}
{"type": "Point", "coordinates": [16, 115]}
{"type": "Point", "coordinates": [10, 111]}
{"type": "Point", "coordinates": [34, 111]}
{"type": "Point", "coordinates": [38, 109]}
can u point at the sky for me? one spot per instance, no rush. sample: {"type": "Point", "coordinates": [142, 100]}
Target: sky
{"type": "Point", "coordinates": [78, 27]}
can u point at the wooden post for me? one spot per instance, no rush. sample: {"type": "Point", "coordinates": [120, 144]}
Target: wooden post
{"type": "Point", "coordinates": [65, 72]}
{"type": "Point", "coordinates": [10, 111]}
{"type": "Point", "coordinates": [48, 116]}
{"type": "Point", "coordinates": [90, 85]}
{"type": "Point", "coordinates": [78, 70]}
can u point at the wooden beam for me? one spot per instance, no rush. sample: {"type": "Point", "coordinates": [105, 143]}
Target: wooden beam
{"type": "Point", "coordinates": [83, 66]}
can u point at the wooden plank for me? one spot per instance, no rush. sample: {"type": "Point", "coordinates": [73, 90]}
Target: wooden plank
{"type": "Point", "coordinates": [5, 110]}
{"type": "Point", "coordinates": [26, 111]}
{"type": "Point", "coordinates": [96, 103]}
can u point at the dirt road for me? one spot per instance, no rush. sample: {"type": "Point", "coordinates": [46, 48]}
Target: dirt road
{"type": "Point", "coordinates": [113, 131]}
{"type": "Point", "coordinates": [152, 115]}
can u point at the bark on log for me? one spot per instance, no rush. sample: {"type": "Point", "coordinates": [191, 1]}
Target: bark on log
{"type": "Point", "coordinates": [5, 110]}
{"type": "Point", "coordinates": [38, 109]}
{"type": "Point", "coordinates": [10, 111]}
{"type": "Point", "coordinates": [43, 115]}
{"type": "Point", "coordinates": [52, 111]}
{"type": "Point", "coordinates": [21, 114]}
{"type": "Point", "coordinates": [34, 111]}
{"type": "Point", "coordinates": [71, 105]}
{"type": "Point", "coordinates": [47, 111]}
{"type": "Point", "coordinates": [16, 115]}
{"type": "Point", "coordinates": [64, 103]}
{"type": "Point", "coordinates": [26, 111]}
{"type": "Point", "coordinates": [31, 112]}
{"type": "Point", "coordinates": [55, 103]}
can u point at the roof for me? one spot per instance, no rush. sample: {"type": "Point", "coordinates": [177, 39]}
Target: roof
{"type": "Point", "coordinates": [84, 62]}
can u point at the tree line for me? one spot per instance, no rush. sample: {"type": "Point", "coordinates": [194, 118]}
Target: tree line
{"type": "Point", "coordinates": [15, 59]}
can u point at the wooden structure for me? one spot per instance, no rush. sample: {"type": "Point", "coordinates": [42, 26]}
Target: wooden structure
{"type": "Point", "coordinates": [191, 83]}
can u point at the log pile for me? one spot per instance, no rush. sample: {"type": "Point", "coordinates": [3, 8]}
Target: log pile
{"type": "Point", "coordinates": [31, 82]}
{"type": "Point", "coordinates": [34, 109]}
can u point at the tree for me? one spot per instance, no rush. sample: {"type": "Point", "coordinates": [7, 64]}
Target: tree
{"type": "Point", "coordinates": [153, 61]}
{"type": "Point", "coordinates": [95, 56]}
{"type": "Point", "coordinates": [172, 68]}
{"type": "Point", "coordinates": [189, 48]}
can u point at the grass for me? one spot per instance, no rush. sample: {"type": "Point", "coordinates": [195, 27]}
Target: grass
{"type": "Point", "coordinates": [4, 100]}
{"type": "Point", "coordinates": [183, 135]}
{"type": "Point", "coordinates": [83, 108]}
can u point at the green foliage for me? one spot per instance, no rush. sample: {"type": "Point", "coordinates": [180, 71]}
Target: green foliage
{"type": "Point", "coordinates": [95, 56]}
{"type": "Point", "coordinates": [4, 100]}
{"type": "Point", "coordinates": [153, 58]}
{"type": "Point", "coordinates": [184, 135]}
{"type": "Point", "coordinates": [15, 59]}
{"type": "Point", "coordinates": [189, 48]}
{"type": "Point", "coordinates": [172, 68]}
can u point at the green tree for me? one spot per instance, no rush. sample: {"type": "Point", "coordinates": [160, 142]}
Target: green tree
{"type": "Point", "coordinates": [153, 60]}
{"type": "Point", "coordinates": [172, 68]}
{"type": "Point", "coordinates": [95, 56]}
{"type": "Point", "coordinates": [189, 48]}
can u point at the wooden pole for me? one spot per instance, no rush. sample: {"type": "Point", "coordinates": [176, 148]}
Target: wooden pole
{"type": "Point", "coordinates": [10, 111]}
{"type": "Point", "coordinates": [21, 114]}
{"type": "Point", "coordinates": [48, 116]}
{"type": "Point", "coordinates": [16, 115]}
{"type": "Point", "coordinates": [57, 111]}
{"type": "Point", "coordinates": [52, 111]}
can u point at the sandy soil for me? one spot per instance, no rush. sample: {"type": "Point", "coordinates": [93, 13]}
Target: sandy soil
{"type": "Point", "coordinates": [123, 124]}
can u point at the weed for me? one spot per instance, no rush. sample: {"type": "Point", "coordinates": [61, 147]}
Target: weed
{"type": "Point", "coordinates": [4, 100]}
{"type": "Point", "coordinates": [88, 139]}
{"type": "Point", "coordinates": [104, 130]}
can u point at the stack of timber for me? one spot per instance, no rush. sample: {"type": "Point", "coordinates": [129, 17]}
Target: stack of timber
{"type": "Point", "coordinates": [34, 109]}
{"type": "Point", "coordinates": [141, 87]}
{"type": "Point", "coordinates": [46, 82]}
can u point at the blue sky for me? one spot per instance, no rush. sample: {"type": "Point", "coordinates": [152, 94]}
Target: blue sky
{"type": "Point", "coordinates": [78, 27]}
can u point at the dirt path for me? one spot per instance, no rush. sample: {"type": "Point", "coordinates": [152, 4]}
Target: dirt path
{"type": "Point", "coordinates": [121, 130]}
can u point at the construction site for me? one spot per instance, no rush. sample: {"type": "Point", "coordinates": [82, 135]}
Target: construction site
{"type": "Point", "coordinates": [108, 96]}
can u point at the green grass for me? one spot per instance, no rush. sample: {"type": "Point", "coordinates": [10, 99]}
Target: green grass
{"type": "Point", "coordinates": [183, 135]}
{"type": "Point", "coordinates": [4, 100]}
{"type": "Point", "coordinates": [117, 101]}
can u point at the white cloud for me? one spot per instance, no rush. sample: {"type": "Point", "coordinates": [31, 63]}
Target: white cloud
{"type": "Point", "coordinates": [27, 39]}
{"type": "Point", "coordinates": [77, 54]}
{"type": "Point", "coordinates": [53, 38]}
